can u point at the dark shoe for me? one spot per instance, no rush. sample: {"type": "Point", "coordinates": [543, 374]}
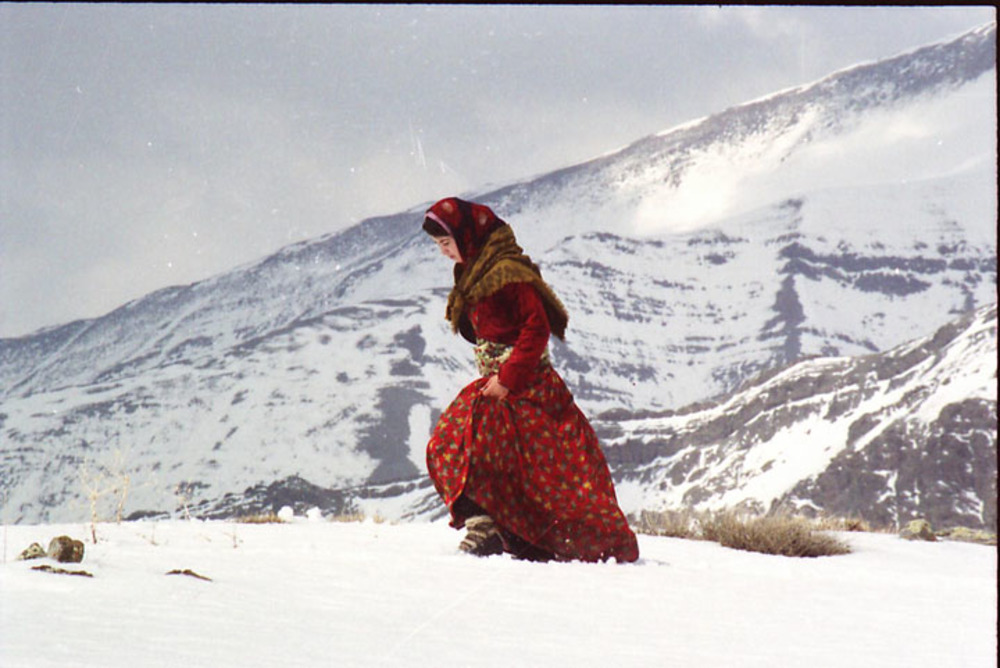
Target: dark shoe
{"type": "Point", "coordinates": [522, 550]}
{"type": "Point", "coordinates": [482, 538]}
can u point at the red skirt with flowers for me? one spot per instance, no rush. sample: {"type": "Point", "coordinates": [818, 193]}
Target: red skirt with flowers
{"type": "Point", "coordinates": [533, 463]}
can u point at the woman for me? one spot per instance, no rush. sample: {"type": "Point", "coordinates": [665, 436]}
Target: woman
{"type": "Point", "coordinates": [513, 458]}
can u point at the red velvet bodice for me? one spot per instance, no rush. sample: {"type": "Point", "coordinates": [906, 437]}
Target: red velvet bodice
{"type": "Point", "coordinates": [514, 315]}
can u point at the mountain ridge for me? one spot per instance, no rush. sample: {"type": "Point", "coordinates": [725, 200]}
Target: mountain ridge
{"type": "Point", "coordinates": [832, 418]}
{"type": "Point", "coordinates": [332, 355]}
{"type": "Point", "coordinates": [938, 431]}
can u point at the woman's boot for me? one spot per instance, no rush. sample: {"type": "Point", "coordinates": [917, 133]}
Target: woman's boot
{"type": "Point", "coordinates": [482, 537]}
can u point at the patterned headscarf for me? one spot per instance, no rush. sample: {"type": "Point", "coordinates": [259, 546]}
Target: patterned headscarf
{"type": "Point", "coordinates": [491, 260]}
{"type": "Point", "coordinates": [470, 224]}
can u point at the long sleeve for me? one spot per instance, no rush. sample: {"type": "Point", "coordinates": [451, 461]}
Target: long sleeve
{"type": "Point", "coordinates": [515, 315]}
{"type": "Point", "coordinates": [533, 337]}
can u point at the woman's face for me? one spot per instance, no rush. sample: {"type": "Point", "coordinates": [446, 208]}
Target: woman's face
{"type": "Point", "coordinates": [448, 248]}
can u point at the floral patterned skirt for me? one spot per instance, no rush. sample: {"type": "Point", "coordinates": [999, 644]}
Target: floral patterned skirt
{"type": "Point", "coordinates": [533, 463]}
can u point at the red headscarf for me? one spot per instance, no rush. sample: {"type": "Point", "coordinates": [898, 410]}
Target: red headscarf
{"type": "Point", "coordinates": [475, 227]}
{"type": "Point", "coordinates": [470, 224]}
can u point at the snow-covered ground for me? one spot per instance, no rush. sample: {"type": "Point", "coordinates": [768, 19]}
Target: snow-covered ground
{"type": "Point", "coordinates": [313, 592]}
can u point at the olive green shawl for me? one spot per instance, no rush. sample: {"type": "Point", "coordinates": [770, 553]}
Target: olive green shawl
{"type": "Point", "coordinates": [500, 263]}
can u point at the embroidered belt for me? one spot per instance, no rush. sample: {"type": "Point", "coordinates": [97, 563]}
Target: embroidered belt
{"type": "Point", "coordinates": [490, 355]}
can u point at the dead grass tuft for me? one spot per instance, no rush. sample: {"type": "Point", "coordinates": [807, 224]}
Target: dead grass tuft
{"type": "Point", "coordinates": [262, 518]}
{"type": "Point", "coordinates": [842, 524]}
{"type": "Point", "coordinates": [357, 516]}
{"type": "Point", "coordinates": [780, 535]}
{"type": "Point", "coordinates": [670, 523]}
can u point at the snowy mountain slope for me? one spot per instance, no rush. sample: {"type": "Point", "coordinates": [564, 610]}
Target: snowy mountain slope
{"type": "Point", "coordinates": [293, 402]}
{"type": "Point", "coordinates": [951, 99]}
{"type": "Point", "coordinates": [662, 323]}
{"type": "Point", "coordinates": [205, 319]}
{"type": "Point", "coordinates": [887, 437]}
{"type": "Point", "coordinates": [330, 359]}
{"type": "Point", "coordinates": [919, 115]}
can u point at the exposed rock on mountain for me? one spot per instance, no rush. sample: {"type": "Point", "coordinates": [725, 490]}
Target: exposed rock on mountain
{"type": "Point", "coordinates": [885, 437]}
{"type": "Point", "coordinates": [840, 218]}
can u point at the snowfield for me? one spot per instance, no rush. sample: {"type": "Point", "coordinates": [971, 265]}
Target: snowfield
{"type": "Point", "coordinates": [312, 592]}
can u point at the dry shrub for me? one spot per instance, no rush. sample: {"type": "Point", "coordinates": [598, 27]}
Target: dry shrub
{"type": "Point", "coordinates": [854, 524]}
{"type": "Point", "coordinates": [777, 534]}
{"type": "Point", "coordinates": [967, 535]}
{"type": "Point", "coordinates": [111, 480]}
{"type": "Point", "coordinates": [850, 524]}
{"type": "Point", "coordinates": [347, 516]}
{"type": "Point", "coordinates": [825, 523]}
{"type": "Point", "coordinates": [262, 518]}
{"type": "Point", "coordinates": [358, 516]}
{"type": "Point", "coordinates": [670, 523]}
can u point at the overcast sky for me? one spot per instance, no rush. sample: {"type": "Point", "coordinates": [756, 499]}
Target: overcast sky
{"type": "Point", "coordinates": [152, 145]}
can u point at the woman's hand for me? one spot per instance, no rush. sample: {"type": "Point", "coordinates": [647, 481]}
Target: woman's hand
{"type": "Point", "coordinates": [494, 389]}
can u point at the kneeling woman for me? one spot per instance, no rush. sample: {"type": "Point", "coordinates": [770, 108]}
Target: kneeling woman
{"type": "Point", "coordinates": [513, 457]}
